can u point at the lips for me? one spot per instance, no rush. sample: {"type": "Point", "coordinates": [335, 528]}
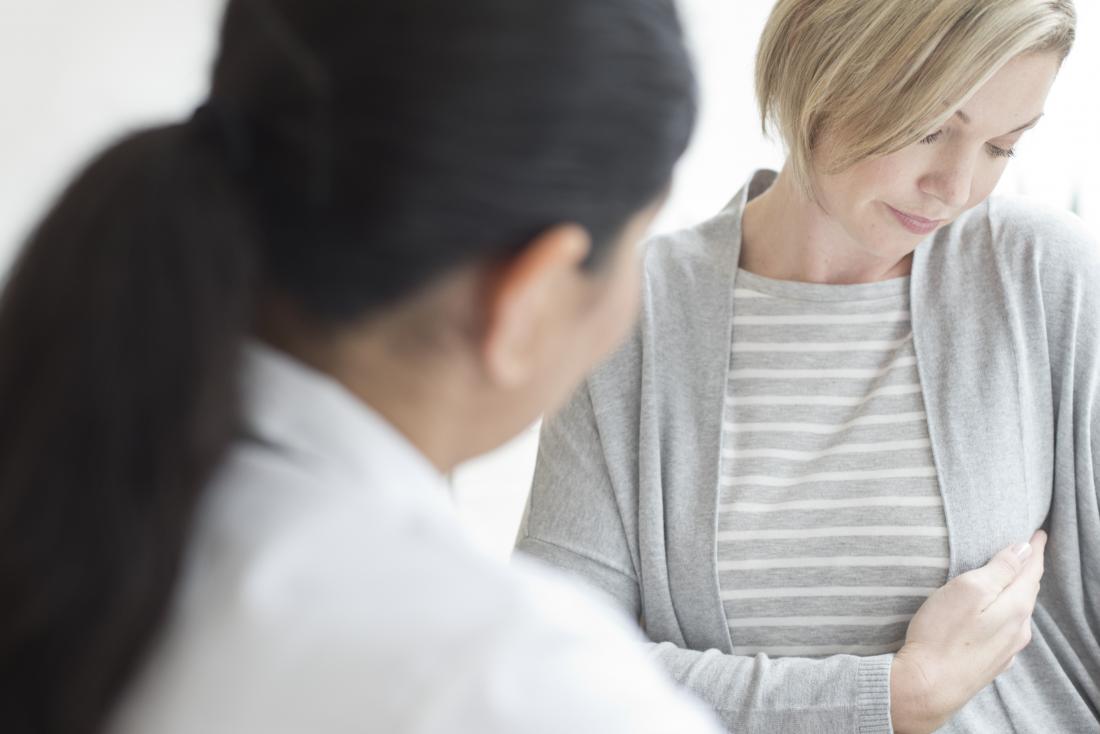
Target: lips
{"type": "Point", "coordinates": [916, 224]}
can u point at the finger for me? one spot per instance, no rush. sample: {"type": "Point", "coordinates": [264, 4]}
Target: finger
{"type": "Point", "coordinates": [1002, 569]}
{"type": "Point", "coordinates": [1011, 609]}
{"type": "Point", "coordinates": [1035, 565]}
{"type": "Point", "coordinates": [1026, 632]}
{"type": "Point", "coordinates": [1039, 541]}
{"type": "Point", "coordinates": [1019, 598]}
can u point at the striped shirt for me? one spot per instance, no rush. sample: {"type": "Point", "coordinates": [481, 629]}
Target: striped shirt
{"type": "Point", "coordinates": [831, 529]}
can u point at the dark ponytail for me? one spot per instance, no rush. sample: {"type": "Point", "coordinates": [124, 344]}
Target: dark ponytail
{"type": "Point", "coordinates": [119, 334]}
{"type": "Point", "coordinates": [352, 152]}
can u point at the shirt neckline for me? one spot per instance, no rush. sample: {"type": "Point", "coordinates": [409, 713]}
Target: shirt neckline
{"type": "Point", "coordinates": [823, 292]}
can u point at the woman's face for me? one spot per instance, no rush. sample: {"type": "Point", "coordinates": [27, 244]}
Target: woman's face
{"type": "Point", "coordinates": [888, 205]}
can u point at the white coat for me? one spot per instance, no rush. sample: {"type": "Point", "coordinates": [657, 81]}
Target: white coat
{"type": "Point", "coordinates": [329, 587]}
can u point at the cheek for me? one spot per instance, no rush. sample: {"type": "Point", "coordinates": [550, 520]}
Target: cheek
{"type": "Point", "coordinates": [985, 180]}
{"type": "Point", "coordinates": [868, 184]}
{"type": "Point", "coordinates": [623, 299]}
{"type": "Point", "coordinates": [612, 314]}
{"type": "Point", "coordinates": [894, 180]}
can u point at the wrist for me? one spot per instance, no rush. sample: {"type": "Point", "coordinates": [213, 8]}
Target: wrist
{"type": "Point", "coordinates": [912, 697]}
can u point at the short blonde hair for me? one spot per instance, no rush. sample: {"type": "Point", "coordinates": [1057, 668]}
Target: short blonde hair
{"type": "Point", "coordinates": [878, 75]}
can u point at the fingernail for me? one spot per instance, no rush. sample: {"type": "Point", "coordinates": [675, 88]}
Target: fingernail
{"type": "Point", "coordinates": [1022, 551]}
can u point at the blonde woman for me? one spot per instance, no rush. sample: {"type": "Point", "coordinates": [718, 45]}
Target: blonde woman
{"type": "Point", "coordinates": [851, 389]}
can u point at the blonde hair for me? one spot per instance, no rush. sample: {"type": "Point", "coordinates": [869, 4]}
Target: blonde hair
{"type": "Point", "coordinates": [878, 75]}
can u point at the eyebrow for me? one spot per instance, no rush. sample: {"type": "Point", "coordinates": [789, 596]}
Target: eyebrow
{"type": "Point", "coordinates": [966, 120]}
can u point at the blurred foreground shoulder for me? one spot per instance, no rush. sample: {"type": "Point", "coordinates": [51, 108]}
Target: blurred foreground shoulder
{"type": "Point", "coordinates": [315, 607]}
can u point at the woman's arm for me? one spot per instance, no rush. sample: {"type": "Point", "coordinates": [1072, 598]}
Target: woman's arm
{"type": "Point", "coordinates": [963, 636]}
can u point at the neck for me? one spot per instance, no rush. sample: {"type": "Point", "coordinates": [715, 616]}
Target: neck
{"type": "Point", "coordinates": [786, 235]}
{"type": "Point", "coordinates": [426, 408]}
{"type": "Point", "coordinates": [424, 396]}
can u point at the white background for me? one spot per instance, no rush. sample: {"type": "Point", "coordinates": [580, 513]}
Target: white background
{"type": "Point", "coordinates": [77, 73]}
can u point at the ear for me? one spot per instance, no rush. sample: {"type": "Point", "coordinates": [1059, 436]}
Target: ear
{"type": "Point", "coordinates": [528, 296]}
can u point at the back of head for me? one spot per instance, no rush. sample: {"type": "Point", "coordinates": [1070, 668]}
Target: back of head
{"type": "Point", "coordinates": [421, 134]}
{"type": "Point", "coordinates": [350, 153]}
{"type": "Point", "coordinates": [878, 75]}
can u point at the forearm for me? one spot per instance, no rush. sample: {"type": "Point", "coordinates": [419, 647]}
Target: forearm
{"type": "Point", "coordinates": [760, 694]}
{"type": "Point", "coordinates": [750, 694]}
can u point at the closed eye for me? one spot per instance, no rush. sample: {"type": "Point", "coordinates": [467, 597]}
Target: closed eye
{"type": "Point", "coordinates": [993, 150]}
{"type": "Point", "coordinates": [998, 152]}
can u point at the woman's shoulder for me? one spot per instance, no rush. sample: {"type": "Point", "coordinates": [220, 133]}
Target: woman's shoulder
{"type": "Point", "coordinates": [325, 605]}
{"type": "Point", "coordinates": [1039, 262]}
{"type": "Point", "coordinates": [687, 293]}
{"type": "Point", "coordinates": [709, 245]}
{"type": "Point", "coordinates": [1024, 233]}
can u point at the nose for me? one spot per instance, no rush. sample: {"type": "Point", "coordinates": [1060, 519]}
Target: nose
{"type": "Point", "coordinates": [951, 180]}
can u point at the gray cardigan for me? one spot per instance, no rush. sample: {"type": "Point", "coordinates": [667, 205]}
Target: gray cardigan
{"type": "Point", "coordinates": [1006, 320]}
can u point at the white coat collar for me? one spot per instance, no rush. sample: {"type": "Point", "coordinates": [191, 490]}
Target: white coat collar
{"type": "Point", "coordinates": [303, 411]}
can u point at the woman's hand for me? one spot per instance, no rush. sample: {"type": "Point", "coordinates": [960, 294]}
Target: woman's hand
{"type": "Point", "coordinates": [966, 634]}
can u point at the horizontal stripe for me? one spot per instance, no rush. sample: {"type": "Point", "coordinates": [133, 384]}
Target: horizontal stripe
{"type": "Point", "coordinates": [746, 293]}
{"type": "Point", "coordinates": [887, 317]}
{"type": "Point", "coordinates": [846, 448]}
{"type": "Point", "coordinates": [825, 428]}
{"type": "Point", "coordinates": [816, 650]}
{"type": "Point", "coordinates": [757, 564]}
{"type": "Point", "coordinates": [841, 504]}
{"type": "Point", "coordinates": [798, 592]}
{"type": "Point", "coordinates": [820, 374]}
{"type": "Point", "coordinates": [769, 480]}
{"type": "Point", "coordinates": [872, 531]}
{"type": "Point", "coordinates": [818, 621]}
{"type": "Point", "coordinates": [825, 400]}
{"type": "Point", "coordinates": [816, 347]}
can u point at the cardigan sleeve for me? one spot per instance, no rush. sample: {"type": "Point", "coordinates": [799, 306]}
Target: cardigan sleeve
{"type": "Point", "coordinates": [1053, 261]}
{"type": "Point", "coordinates": [1070, 275]}
{"type": "Point", "coordinates": [572, 519]}
{"type": "Point", "coordinates": [577, 522]}
{"type": "Point", "coordinates": [1088, 470]}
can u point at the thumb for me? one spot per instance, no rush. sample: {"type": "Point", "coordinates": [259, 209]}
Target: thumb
{"type": "Point", "coordinates": [1004, 567]}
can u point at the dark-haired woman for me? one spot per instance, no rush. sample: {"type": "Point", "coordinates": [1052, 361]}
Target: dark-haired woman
{"type": "Point", "coordinates": [239, 353]}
